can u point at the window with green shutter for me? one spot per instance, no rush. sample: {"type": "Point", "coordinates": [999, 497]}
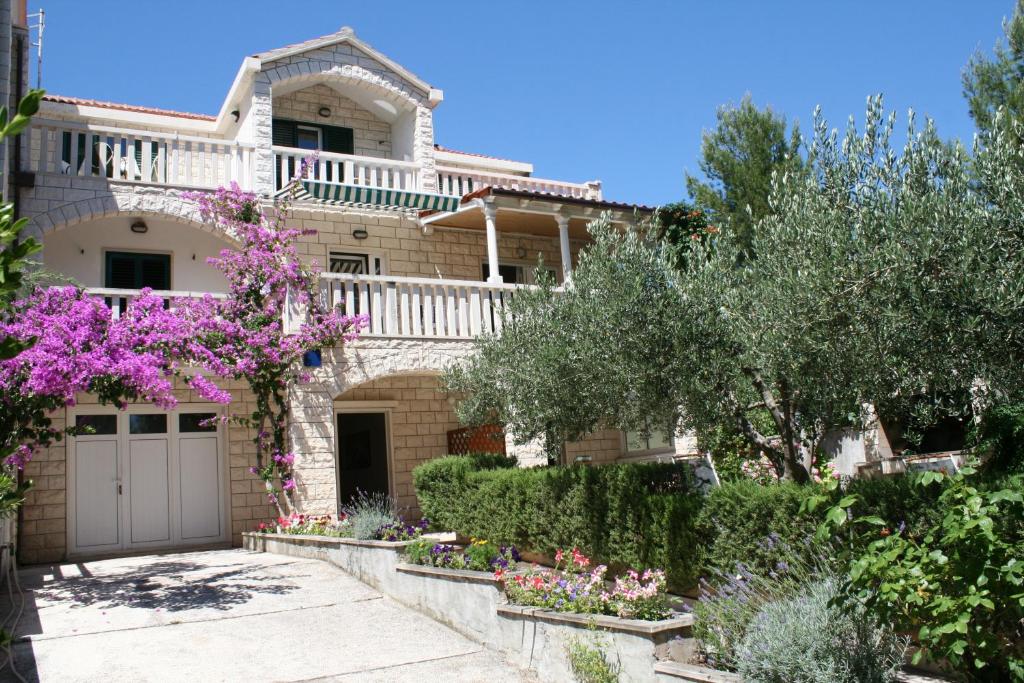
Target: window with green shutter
{"type": "Point", "coordinates": [335, 139]}
{"type": "Point", "coordinates": [134, 270]}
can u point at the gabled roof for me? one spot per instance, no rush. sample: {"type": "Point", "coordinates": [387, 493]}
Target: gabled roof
{"type": "Point", "coordinates": [344, 35]}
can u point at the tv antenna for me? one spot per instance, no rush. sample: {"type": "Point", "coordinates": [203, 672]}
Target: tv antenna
{"type": "Point", "coordinates": [39, 26]}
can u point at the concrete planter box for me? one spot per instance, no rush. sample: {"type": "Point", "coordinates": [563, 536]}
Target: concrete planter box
{"type": "Point", "coordinates": [538, 639]}
{"type": "Point", "coordinates": [372, 562]}
{"type": "Point", "coordinates": [465, 600]}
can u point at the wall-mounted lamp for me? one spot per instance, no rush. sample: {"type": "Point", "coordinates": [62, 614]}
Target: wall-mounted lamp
{"type": "Point", "coordinates": [324, 111]}
{"type": "Point", "coordinates": [139, 226]}
{"type": "Point", "coordinates": [360, 233]}
{"type": "Point", "coordinates": [235, 114]}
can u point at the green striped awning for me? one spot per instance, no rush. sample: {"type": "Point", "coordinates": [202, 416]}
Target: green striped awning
{"type": "Point", "coordinates": [358, 195]}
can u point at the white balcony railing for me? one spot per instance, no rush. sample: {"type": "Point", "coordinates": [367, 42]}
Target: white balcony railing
{"type": "Point", "coordinates": [118, 299]}
{"type": "Point", "coordinates": [458, 182]}
{"type": "Point", "coordinates": [406, 307]}
{"type": "Point", "coordinates": [349, 169]}
{"type": "Point", "coordinates": [79, 149]}
{"type": "Point", "coordinates": [420, 307]}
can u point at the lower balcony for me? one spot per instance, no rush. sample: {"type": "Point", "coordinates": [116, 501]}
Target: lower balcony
{"type": "Point", "coordinates": [402, 307]}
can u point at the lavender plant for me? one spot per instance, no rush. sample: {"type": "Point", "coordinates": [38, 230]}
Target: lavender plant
{"type": "Point", "coordinates": [729, 601]}
{"type": "Point", "coordinates": [814, 638]}
{"type": "Point", "coordinates": [369, 512]}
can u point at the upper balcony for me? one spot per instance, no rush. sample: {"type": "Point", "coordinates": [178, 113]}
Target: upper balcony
{"type": "Point", "coordinates": [151, 157]}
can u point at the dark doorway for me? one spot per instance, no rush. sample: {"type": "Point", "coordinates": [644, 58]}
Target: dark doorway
{"type": "Point", "coordinates": [362, 454]}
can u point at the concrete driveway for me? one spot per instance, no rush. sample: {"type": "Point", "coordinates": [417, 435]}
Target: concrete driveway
{"type": "Point", "coordinates": [229, 615]}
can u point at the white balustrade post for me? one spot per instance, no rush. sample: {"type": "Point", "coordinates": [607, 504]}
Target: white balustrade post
{"type": "Point", "coordinates": [490, 218]}
{"type": "Point", "coordinates": [563, 241]}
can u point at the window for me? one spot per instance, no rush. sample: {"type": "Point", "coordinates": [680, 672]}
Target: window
{"type": "Point", "coordinates": [300, 135]}
{"type": "Point", "coordinates": [307, 137]}
{"type": "Point", "coordinates": [513, 273]}
{"type": "Point", "coordinates": [355, 264]}
{"type": "Point", "coordinates": [92, 425]}
{"type": "Point", "coordinates": [131, 270]}
{"type": "Point", "coordinates": [147, 423]}
{"type": "Point", "coordinates": [196, 422]}
{"type": "Point", "coordinates": [656, 441]}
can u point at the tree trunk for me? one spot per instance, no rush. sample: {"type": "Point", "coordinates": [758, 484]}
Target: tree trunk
{"type": "Point", "coordinates": [792, 467]}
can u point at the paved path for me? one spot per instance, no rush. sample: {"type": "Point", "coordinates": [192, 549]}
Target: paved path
{"type": "Point", "coordinates": [229, 615]}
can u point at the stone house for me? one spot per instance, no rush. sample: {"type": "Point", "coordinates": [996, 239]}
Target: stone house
{"type": "Point", "coordinates": [428, 240]}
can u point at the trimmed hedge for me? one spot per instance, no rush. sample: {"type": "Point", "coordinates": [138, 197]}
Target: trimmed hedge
{"type": "Point", "coordinates": [637, 515]}
{"type": "Point", "coordinates": [649, 514]}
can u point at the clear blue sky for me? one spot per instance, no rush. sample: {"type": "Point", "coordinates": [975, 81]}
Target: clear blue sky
{"type": "Point", "coordinates": [618, 91]}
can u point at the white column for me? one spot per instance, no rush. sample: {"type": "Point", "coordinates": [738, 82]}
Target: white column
{"type": "Point", "coordinates": [563, 240]}
{"type": "Point", "coordinates": [490, 218]}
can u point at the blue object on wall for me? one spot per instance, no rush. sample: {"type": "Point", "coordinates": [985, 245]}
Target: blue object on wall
{"type": "Point", "coordinates": [312, 358]}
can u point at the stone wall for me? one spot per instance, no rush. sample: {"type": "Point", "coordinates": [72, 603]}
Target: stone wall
{"type": "Point", "coordinates": [371, 137]}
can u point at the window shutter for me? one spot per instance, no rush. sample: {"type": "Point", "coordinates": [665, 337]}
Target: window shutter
{"type": "Point", "coordinates": [127, 270]}
{"type": "Point", "coordinates": [338, 140]}
{"type": "Point", "coordinates": [155, 271]}
{"type": "Point", "coordinates": [120, 271]}
{"type": "Point", "coordinates": [283, 133]}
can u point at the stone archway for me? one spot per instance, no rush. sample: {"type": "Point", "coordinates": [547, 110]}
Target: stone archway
{"type": "Point", "coordinates": [403, 373]}
{"type": "Point", "coordinates": [126, 200]}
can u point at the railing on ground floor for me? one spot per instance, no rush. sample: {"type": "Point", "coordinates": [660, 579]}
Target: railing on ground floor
{"type": "Point", "coordinates": [119, 299]}
{"type": "Point", "coordinates": [79, 149]}
{"type": "Point", "coordinates": [420, 307]}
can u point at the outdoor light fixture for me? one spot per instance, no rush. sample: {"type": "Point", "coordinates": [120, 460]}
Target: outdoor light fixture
{"type": "Point", "coordinates": [140, 227]}
{"type": "Point", "coordinates": [324, 111]}
{"type": "Point", "coordinates": [360, 233]}
{"type": "Point", "coordinates": [235, 114]}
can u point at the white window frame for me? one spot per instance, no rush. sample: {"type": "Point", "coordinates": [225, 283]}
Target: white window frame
{"type": "Point", "coordinates": [319, 135]}
{"type": "Point", "coordinates": [385, 407]}
{"type": "Point", "coordinates": [529, 269]}
{"type": "Point", "coordinates": [374, 259]}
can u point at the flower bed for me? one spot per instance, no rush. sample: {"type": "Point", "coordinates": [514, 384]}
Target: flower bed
{"type": "Point", "coordinates": [478, 555]}
{"type": "Point", "coordinates": [571, 587]}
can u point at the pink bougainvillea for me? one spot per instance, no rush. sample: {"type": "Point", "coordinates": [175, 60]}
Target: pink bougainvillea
{"type": "Point", "coordinates": [242, 336]}
{"type": "Point", "coordinates": [80, 347]}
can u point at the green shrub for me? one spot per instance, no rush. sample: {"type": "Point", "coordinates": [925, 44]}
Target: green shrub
{"type": "Point", "coordinates": [756, 525]}
{"type": "Point", "coordinates": [1000, 436]}
{"type": "Point", "coordinates": [625, 515]}
{"type": "Point", "coordinates": [589, 662]}
{"type": "Point", "coordinates": [959, 586]}
{"type": "Point", "coordinates": [808, 638]}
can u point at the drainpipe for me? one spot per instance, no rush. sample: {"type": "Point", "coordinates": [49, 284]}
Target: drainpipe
{"type": "Point", "coordinates": [19, 92]}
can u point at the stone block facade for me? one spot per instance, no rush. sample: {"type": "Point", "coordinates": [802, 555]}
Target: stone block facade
{"type": "Point", "coordinates": [371, 136]}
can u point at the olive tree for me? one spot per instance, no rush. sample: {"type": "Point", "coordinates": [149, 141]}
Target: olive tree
{"type": "Point", "coordinates": [886, 277]}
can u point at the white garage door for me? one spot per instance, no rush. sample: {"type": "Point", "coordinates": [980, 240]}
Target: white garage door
{"type": "Point", "coordinates": [144, 478]}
